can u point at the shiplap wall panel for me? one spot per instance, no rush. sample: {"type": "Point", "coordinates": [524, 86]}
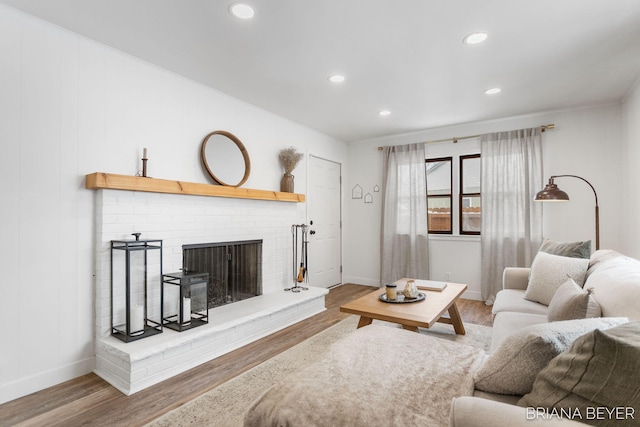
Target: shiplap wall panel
{"type": "Point", "coordinates": [10, 215]}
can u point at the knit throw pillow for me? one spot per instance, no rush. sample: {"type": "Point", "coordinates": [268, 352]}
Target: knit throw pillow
{"type": "Point", "coordinates": [514, 365]}
{"type": "Point", "coordinates": [549, 272]}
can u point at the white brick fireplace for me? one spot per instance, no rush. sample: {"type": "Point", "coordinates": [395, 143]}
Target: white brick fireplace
{"type": "Point", "coordinates": [180, 219]}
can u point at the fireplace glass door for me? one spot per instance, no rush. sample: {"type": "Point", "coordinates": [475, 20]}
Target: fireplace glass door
{"type": "Point", "coordinates": [235, 269]}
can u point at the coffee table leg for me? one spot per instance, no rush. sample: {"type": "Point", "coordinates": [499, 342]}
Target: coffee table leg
{"type": "Point", "coordinates": [410, 328]}
{"type": "Point", "coordinates": [364, 321]}
{"type": "Point", "coordinates": [456, 320]}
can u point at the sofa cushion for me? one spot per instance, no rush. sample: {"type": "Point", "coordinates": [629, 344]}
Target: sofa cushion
{"type": "Point", "coordinates": [549, 272]}
{"type": "Point", "coordinates": [601, 369]}
{"type": "Point", "coordinates": [568, 249]}
{"type": "Point", "coordinates": [616, 287]}
{"type": "Point", "coordinates": [496, 397]}
{"type": "Point", "coordinates": [572, 302]}
{"type": "Point", "coordinates": [513, 367]}
{"type": "Point", "coordinates": [513, 300]}
{"type": "Point", "coordinates": [507, 322]}
{"type": "Point", "coordinates": [599, 257]}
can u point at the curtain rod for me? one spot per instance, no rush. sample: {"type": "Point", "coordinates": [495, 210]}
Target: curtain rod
{"type": "Point", "coordinates": [456, 139]}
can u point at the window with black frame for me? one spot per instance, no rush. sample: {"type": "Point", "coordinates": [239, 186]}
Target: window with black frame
{"type": "Point", "coordinates": [439, 195]}
{"type": "Point", "coordinates": [470, 199]}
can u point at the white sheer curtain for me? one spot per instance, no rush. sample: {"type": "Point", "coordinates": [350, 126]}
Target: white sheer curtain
{"type": "Point", "coordinates": [511, 171]}
{"type": "Point", "coordinates": [404, 239]}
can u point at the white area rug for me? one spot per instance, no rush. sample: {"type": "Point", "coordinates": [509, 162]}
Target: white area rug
{"type": "Point", "coordinates": [225, 406]}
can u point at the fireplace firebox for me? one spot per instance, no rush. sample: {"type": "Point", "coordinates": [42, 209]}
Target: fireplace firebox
{"type": "Point", "coordinates": [235, 269]}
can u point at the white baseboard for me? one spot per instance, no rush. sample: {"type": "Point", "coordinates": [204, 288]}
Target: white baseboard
{"type": "Point", "coordinates": [361, 281]}
{"type": "Point", "coordinates": [472, 295]}
{"type": "Point", "coordinates": [40, 381]}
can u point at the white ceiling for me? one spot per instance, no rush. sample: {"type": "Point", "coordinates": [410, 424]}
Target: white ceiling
{"type": "Point", "coordinates": [406, 56]}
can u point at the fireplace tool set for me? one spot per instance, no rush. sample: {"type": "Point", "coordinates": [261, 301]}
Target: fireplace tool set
{"type": "Point", "coordinates": [299, 271]}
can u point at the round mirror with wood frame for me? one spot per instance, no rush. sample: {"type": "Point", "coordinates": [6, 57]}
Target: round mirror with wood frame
{"type": "Point", "coordinates": [225, 158]}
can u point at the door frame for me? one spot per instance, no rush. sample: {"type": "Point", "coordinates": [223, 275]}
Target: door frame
{"type": "Point", "coordinates": [341, 237]}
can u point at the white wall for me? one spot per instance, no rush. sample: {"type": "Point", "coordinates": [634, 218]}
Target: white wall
{"type": "Point", "coordinates": [69, 107]}
{"type": "Point", "coordinates": [585, 142]}
{"type": "Point", "coordinates": [631, 173]}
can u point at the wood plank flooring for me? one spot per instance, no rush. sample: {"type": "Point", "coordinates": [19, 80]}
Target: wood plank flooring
{"type": "Point", "coordinates": [90, 401]}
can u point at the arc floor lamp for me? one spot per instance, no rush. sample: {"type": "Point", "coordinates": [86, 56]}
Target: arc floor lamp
{"type": "Point", "coordinates": [551, 193]}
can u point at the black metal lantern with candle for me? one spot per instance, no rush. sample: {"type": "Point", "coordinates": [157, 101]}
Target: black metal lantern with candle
{"type": "Point", "coordinates": [186, 300]}
{"type": "Point", "coordinates": [136, 288]}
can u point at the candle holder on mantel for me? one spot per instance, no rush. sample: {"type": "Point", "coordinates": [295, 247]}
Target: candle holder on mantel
{"type": "Point", "coordinates": [186, 299]}
{"type": "Point", "coordinates": [136, 288]}
{"type": "Point", "coordinates": [144, 163]}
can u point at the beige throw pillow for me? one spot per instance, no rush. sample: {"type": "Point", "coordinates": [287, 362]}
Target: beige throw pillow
{"type": "Point", "coordinates": [513, 367]}
{"type": "Point", "coordinates": [572, 302]}
{"type": "Point", "coordinates": [601, 369]}
{"type": "Point", "coordinates": [549, 272]}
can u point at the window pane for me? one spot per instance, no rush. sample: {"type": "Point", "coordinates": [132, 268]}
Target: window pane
{"type": "Point", "coordinates": [438, 177]}
{"type": "Point", "coordinates": [439, 214]}
{"type": "Point", "coordinates": [471, 214]}
{"type": "Point", "coordinates": [471, 175]}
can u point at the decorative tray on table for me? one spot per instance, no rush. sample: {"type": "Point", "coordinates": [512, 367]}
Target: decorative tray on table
{"type": "Point", "coordinates": [401, 299]}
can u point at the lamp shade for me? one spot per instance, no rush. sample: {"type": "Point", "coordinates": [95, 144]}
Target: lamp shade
{"type": "Point", "coordinates": [551, 193]}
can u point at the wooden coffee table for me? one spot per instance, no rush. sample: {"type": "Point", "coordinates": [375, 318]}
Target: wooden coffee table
{"type": "Point", "coordinates": [411, 316]}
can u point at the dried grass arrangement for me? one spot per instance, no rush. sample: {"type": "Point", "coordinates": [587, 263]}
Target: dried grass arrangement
{"type": "Point", "coordinates": [289, 159]}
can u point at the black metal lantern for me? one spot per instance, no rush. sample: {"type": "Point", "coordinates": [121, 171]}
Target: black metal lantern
{"type": "Point", "coordinates": [186, 300]}
{"type": "Point", "coordinates": [136, 288]}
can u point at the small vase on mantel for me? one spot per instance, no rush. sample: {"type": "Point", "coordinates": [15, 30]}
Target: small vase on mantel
{"type": "Point", "coordinates": [289, 158]}
{"type": "Point", "coordinates": [286, 183]}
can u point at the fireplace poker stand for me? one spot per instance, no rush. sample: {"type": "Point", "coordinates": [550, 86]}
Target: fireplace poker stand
{"type": "Point", "coordinates": [299, 272]}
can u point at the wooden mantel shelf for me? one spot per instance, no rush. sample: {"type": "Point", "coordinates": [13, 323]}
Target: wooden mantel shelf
{"type": "Point", "coordinates": [109, 181]}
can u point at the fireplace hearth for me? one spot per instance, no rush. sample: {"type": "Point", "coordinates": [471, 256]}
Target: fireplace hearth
{"type": "Point", "coordinates": [235, 269]}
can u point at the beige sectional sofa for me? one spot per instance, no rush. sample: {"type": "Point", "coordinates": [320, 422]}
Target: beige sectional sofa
{"type": "Point", "coordinates": [612, 283]}
{"type": "Point", "coordinates": [387, 376]}
{"type": "Point", "coordinates": [613, 277]}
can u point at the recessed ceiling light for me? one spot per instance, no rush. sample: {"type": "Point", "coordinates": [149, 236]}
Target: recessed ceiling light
{"type": "Point", "coordinates": [475, 38]}
{"type": "Point", "coordinates": [384, 113]}
{"type": "Point", "coordinates": [492, 91]}
{"type": "Point", "coordinates": [241, 10]}
{"type": "Point", "coordinates": [336, 78]}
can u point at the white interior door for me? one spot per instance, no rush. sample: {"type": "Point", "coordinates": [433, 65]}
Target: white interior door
{"type": "Point", "coordinates": [325, 222]}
